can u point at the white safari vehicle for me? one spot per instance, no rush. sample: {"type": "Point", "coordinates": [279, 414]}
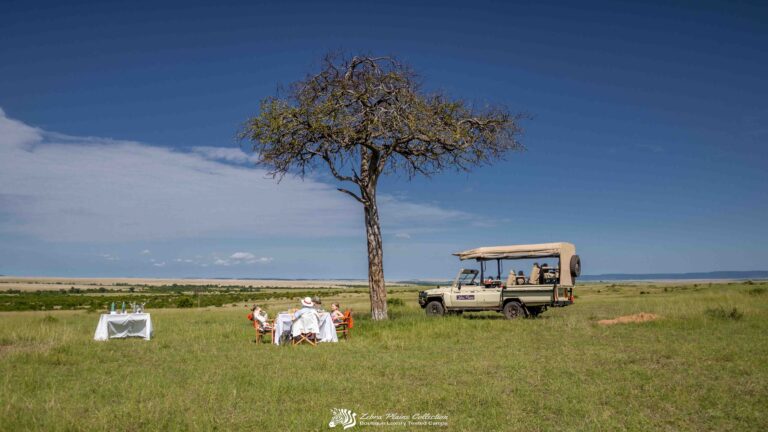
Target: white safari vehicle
{"type": "Point", "coordinates": [516, 295]}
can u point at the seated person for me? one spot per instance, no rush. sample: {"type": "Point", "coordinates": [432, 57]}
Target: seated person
{"type": "Point", "coordinates": [305, 320]}
{"type": "Point", "coordinates": [520, 278]}
{"type": "Point", "coordinates": [535, 278]}
{"type": "Point", "coordinates": [549, 274]}
{"type": "Point", "coordinates": [336, 314]}
{"type": "Point", "coordinates": [511, 279]}
{"type": "Point", "coordinates": [489, 282]}
{"type": "Point", "coordinates": [307, 306]}
{"type": "Point", "coordinates": [260, 319]}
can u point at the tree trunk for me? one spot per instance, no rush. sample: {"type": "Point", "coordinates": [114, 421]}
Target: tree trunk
{"type": "Point", "coordinates": [376, 285]}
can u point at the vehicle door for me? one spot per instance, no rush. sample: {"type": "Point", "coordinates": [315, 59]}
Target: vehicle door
{"type": "Point", "coordinates": [465, 292]}
{"type": "Point", "coordinates": [489, 296]}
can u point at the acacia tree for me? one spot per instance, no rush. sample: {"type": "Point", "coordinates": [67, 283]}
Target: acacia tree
{"type": "Point", "coordinates": [364, 117]}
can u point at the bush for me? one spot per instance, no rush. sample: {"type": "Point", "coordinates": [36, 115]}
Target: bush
{"type": "Point", "coordinates": [184, 302]}
{"type": "Point", "coordinates": [757, 291]}
{"type": "Point", "coordinates": [721, 313]}
{"type": "Point", "coordinates": [392, 302]}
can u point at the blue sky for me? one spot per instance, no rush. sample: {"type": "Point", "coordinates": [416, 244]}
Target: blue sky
{"type": "Point", "coordinates": [646, 147]}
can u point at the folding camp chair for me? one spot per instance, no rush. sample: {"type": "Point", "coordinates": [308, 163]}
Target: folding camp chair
{"type": "Point", "coordinates": [262, 330]}
{"type": "Point", "coordinates": [305, 329]}
{"type": "Point", "coordinates": [346, 324]}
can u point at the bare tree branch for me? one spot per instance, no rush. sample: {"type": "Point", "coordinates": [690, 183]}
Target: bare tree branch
{"type": "Point", "coordinates": [352, 194]}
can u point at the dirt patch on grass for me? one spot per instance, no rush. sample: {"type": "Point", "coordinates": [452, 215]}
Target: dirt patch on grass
{"type": "Point", "coordinates": [626, 319]}
{"type": "Point", "coordinates": [9, 346]}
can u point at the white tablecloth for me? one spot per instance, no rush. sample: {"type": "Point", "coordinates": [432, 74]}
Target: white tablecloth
{"type": "Point", "coordinates": [327, 329]}
{"type": "Point", "coordinates": [123, 326]}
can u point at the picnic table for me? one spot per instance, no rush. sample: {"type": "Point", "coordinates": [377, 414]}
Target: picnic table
{"type": "Point", "coordinates": [327, 329]}
{"type": "Point", "coordinates": [112, 326]}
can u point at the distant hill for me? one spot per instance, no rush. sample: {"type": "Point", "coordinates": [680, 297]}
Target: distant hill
{"type": "Point", "coordinates": [756, 274]}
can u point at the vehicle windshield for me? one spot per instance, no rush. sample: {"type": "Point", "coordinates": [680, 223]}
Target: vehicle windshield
{"type": "Point", "coordinates": [468, 277]}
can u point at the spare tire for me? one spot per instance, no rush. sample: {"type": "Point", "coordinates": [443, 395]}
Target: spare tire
{"type": "Point", "coordinates": [575, 266]}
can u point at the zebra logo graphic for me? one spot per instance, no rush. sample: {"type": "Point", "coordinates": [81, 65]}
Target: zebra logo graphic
{"type": "Point", "coordinates": [343, 417]}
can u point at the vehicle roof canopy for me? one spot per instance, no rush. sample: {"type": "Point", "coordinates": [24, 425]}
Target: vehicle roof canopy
{"type": "Point", "coordinates": [518, 251]}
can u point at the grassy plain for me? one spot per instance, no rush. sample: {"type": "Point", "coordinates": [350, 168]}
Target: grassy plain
{"type": "Point", "coordinates": [699, 367]}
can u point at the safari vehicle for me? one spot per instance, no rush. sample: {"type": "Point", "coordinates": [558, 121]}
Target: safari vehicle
{"type": "Point", "coordinates": [517, 295]}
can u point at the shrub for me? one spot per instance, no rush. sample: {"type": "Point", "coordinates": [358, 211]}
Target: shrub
{"type": "Point", "coordinates": [757, 291]}
{"type": "Point", "coordinates": [184, 302]}
{"type": "Point", "coordinates": [721, 313]}
{"type": "Point", "coordinates": [392, 302]}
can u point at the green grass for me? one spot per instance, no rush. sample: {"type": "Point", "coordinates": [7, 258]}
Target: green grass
{"type": "Point", "coordinates": [693, 369]}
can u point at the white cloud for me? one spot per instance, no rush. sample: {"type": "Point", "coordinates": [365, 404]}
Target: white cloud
{"type": "Point", "coordinates": [159, 264]}
{"type": "Point", "coordinates": [146, 252]}
{"type": "Point", "coordinates": [242, 258]}
{"type": "Point", "coordinates": [185, 261]}
{"type": "Point", "coordinates": [110, 257]}
{"type": "Point", "coordinates": [226, 154]}
{"type": "Point", "coordinates": [402, 235]}
{"type": "Point", "coordinates": [397, 212]}
{"type": "Point", "coordinates": [89, 189]}
{"type": "Point", "coordinates": [84, 189]}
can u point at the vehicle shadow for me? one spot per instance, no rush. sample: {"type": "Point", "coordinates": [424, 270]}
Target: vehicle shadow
{"type": "Point", "coordinates": [498, 317]}
{"type": "Point", "coordinates": [484, 317]}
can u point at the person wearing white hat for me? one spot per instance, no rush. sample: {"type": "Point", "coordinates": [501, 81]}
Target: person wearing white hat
{"type": "Point", "coordinates": [307, 306]}
{"type": "Point", "coordinates": [305, 320]}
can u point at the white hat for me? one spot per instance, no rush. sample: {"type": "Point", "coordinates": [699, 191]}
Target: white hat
{"type": "Point", "coordinates": [307, 302]}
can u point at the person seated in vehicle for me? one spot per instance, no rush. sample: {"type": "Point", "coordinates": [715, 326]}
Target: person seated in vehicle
{"type": "Point", "coordinates": [512, 278]}
{"type": "Point", "coordinates": [535, 274]}
{"type": "Point", "coordinates": [548, 274]}
{"type": "Point", "coordinates": [489, 282]}
{"type": "Point", "coordinates": [521, 278]}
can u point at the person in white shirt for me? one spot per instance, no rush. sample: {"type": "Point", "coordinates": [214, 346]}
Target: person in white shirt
{"type": "Point", "coordinates": [260, 318]}
{"type": "Point", "coordinates": [307, 306]}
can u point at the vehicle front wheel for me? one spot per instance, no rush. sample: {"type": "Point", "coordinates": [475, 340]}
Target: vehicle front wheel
{"type": "Point", "coordinates": [513, 310]}
{"type": "Point", "coordinates": [435, 308]}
